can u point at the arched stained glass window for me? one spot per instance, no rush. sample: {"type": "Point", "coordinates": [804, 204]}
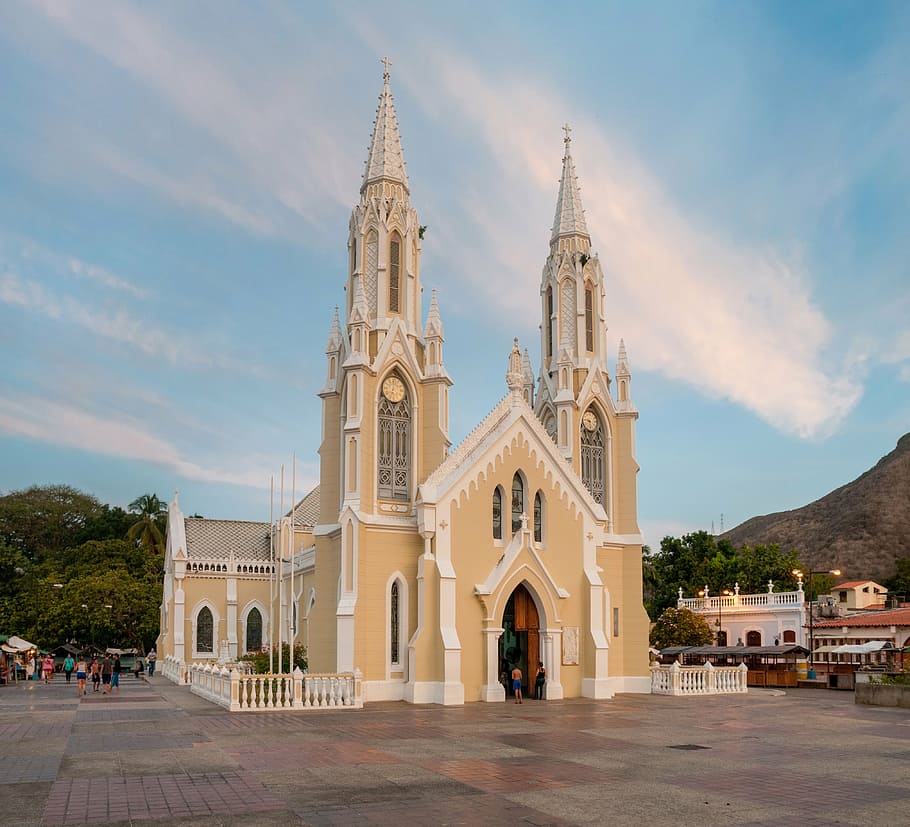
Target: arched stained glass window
{"type": "Point", "coordinates": [594, 456]}
{"type": "Point", "coordinates": [394, 622]}
{"type": "Point", "coordinates": [538, 517]}
{"type": "Point", "coordinates": [205, 633]}
{"type": "Point", "coordinates": [518, 502]}
{"type": "Point", "coordinates": [394, 272]}
{"type": "Point", "coordinates": [394, 462]}
{"type": "Point", "coordinates": [497, 513]}
{"type": "Point", "coordinates": [254, 630]}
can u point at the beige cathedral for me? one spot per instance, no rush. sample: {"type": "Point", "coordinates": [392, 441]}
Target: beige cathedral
{"type": "Point", "coordinates": [426, 569]}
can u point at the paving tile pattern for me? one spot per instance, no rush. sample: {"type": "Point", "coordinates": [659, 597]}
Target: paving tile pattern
{"type": "Point", "coordinates": [109, 800]}
{"type": "Point", "coordinates": [158, 754]}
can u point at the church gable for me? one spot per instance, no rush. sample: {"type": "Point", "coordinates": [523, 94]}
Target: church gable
{"type": "Point", "coordinates": [510, 426]}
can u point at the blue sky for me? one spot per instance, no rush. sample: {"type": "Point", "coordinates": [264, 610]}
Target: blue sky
{"type": "Point", "coordinates": [176, 182]}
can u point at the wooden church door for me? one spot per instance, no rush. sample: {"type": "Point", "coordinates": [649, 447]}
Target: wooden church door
{"type": "Point", "coordinates": [522, 620]}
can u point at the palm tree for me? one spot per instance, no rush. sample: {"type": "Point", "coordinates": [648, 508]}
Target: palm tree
{"type": "Point", "coordinates": [146, 531]}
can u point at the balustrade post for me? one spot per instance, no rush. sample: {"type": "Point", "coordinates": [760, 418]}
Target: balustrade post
{"type": "Point", "coordinates": [234, 698]}
{"type": "Point", "coordinates": [358, 688]}
{"type": "Point", "coordinates": [675, 678]}
{"type": "Point", "coordinates": [298, 688]}
{"type": "Point", "coordinates": [711, 687]}
{"type": "Point", "coordinates": [743, 673]}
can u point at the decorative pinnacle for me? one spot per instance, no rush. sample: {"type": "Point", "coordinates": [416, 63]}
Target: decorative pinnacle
{"type": "Point", "coordinates": [386, 62]}
{"type": "Point", "coordinates": [567, 129]}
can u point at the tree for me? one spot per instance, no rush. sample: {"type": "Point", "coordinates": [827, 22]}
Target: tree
{"type": "Point", "coordinates": [698, 560]}
{"type": "Point", "coordinates": [43, 519]}
{"type": "Point", "coordinates": [899, 584]}
{"type": "Point", "coordinates": [680, 627]}
{"type": "Point", "coordinates": [147, 530]}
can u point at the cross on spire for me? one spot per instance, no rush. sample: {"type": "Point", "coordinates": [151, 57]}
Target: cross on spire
{"type": "Point", "coordinates": [567, 129]}
{"type": "Point", "coordinates": [386, 62]}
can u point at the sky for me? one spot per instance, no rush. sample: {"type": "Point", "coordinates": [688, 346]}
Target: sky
{"type": "Point", "coordinates": [176, 181]}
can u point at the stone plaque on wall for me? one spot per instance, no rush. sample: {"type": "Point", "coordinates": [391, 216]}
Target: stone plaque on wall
{"type": "Point", "coordinates": [570, 645]}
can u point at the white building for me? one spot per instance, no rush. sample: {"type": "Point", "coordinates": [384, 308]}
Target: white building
{"type": "Point", "coordinates": [752, 619]}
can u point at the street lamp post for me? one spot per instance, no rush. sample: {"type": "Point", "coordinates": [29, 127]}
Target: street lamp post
{"type": "Point", "coordinates": [798, 573]}
{"type": "Point", "coordinates": [720, 604]}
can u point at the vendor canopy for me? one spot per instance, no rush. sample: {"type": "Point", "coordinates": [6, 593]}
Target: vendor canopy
{"type": "Point", "coordinates": [860, 648]}
{"type": "Point", "coordinates": [19, 644]}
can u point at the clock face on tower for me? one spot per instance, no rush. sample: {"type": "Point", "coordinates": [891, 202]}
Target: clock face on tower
{"type": "Point", "coordinates": [393, 389]}
{"type": "Point", "coordinates": [589, 421]}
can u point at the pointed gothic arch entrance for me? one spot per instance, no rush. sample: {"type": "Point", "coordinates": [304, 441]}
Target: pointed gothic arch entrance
{"type": "Point", "coordinates": [519, 644]}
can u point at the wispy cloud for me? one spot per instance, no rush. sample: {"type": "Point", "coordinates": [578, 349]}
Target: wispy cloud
{"type": "Point", "coordinates": [264, 145]}
{"type": "Point", "coordinates": [51, 421]}
{"type": "Point", "coordinates": [116, 324]}
{"type": "Point", "coordinates": [735, 321]}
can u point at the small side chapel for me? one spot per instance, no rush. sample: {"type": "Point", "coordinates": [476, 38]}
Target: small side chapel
{"type": "Point", "coordinates": [431, 570]}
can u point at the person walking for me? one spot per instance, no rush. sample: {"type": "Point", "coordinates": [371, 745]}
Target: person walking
{"type": "Point", "coordinates": [106, 672]}
{"type": "Point", "coordinates": [68, 666]}
{"type": "Point", "coordinates": [48, 668]}
{"type": "Point", "coordinates": [81, 674]}
{"type": "Point", "coordinates": [96, 675]}
{"type": "Point", "coordinates": [36, 667]}
{"type": "Point", "coordinates": [540, 681]}
{"type": "Point", "coordinates": [115, 674]}
{"type": "Point", "coordinates": [516, 683]}
{"type": "Point", "coordinates": [150, 659]}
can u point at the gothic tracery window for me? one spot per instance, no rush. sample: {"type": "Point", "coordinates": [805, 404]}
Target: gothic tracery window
{"type": "Point", "coordinates": [394, 461]}
{"type": "Point", "coordinates": [497, 513]}
{"type": "Point", "coordinates": [551, 320]}
{"type": "Point", "coordinates": [254, 630]}
{"type": "Point", "coordinates": [394, 272]}
{"type": "Point", "coordinates": [394, 601]}
{"type": "Point", "coordinates": [589, 318]}
{"type": "Point", "coordinates": [538, 518]}
{"type": "Point", "coordinates": [205, 636]}
{"type": "Point", "coordinates": [518, 502]}
{"type": "Point", "coordinates": [594, 456]}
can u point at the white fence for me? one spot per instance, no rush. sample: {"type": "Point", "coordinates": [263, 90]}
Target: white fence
{"type": "Point", "coordinates": [240, 692]}
{"type": "Point", "coordinates": [731, 602]}
{"type": "Point", "coordinates": [698, 680]}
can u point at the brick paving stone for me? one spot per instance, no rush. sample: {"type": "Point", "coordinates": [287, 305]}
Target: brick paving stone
{"type": "Point", "coordinates": [98, 801]}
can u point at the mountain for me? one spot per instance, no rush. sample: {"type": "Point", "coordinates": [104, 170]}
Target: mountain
{"type": "Point", "coordinates": [862, 527]}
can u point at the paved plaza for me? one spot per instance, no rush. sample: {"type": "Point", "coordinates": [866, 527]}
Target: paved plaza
{"type": "Point", "coordinates": [158, 753]}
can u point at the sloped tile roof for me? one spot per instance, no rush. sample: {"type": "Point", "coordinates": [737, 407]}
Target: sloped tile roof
{"type": "Point", "coordinates": [888, 617]}
{"type": "Point", "coordinates": [218, 539]}
{"type": "Point", "coordinates": [306, 512]}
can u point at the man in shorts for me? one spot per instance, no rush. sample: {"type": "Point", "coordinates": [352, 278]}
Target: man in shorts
{"type": "Point", "coordinates": [106, 671]}
{"type": "Point", "coordinates": [516, 683]}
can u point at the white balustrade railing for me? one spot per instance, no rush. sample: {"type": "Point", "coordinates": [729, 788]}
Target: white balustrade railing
{"type": "Point", "coordinates": [173, 669]}
{"type": "Point", "coordinates": [769, 600]}
{"type": "Point", "coordinates": [249, 693]}
{"type": "Point", "coordinates": [698, 680]}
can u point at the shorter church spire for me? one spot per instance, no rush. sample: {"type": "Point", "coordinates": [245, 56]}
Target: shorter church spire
{"type": "Point", "coordinates": [434, 320]}
{"type": "Point", "coordinates": [570, 217]}
{"type": "Point", "coordinates": [385, 159]}
{"type": "Point", "coordinates": [334, 334]}
{"type": "Point", "coordinates": [624, 403]}
{"type": "Point", "coordinates": [515, 374]}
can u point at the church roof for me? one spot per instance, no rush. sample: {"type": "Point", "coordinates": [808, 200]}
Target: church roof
{"type": "Point", "coordinates": [306, 512]}
{"type": "Point", "coordinates": [385, 158]}
{"type": "Point", "coordinates": [219, 539]}
{"type": "Point", "coordinates": [570, 217]}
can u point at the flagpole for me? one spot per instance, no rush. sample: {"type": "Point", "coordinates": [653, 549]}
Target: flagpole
{"type": "Point", "coordinates": [272, 578]}
{"type": "Point", "coordinates": [280, 576]}
{"type": "Point", "coordinates": [294, 618]}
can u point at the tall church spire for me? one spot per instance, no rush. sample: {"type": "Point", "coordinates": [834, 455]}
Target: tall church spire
{"type": "Point", "coordinates": [385, 159]}
{"type": "Point", "coordinates": [570, 217]}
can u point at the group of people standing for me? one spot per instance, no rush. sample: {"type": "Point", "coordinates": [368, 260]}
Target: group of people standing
{"type": "Point", "coordinates": [104, 672]}
{"type": "Point", "coordinates": [515, 679]}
